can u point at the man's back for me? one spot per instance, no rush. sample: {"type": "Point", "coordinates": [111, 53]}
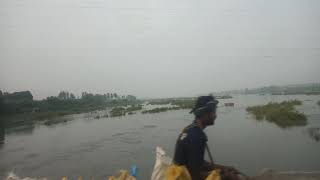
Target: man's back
{"type": "Point", "coordinates": [190, 148]}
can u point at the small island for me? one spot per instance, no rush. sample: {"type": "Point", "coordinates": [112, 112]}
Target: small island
{"type": "Point", "coordinates": [282, 114]}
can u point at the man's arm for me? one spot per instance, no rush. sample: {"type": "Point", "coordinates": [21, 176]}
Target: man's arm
{"type": "Point", "coordinates": [195, 156]}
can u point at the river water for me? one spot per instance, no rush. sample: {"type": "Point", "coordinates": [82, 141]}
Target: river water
{"type": "Point", "coordinates": [88, 147]}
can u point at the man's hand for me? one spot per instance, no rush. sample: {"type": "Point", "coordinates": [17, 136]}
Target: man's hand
{"type": "Point", "coordinates": [227, 168]}
{"type": "Point", "coordinates": [208, 166]}
{"type": "Point", "coordinates": [231, 169]}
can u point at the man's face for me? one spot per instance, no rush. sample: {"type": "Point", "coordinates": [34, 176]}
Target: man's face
{"type": "Point", "coordinates": [210, 119]}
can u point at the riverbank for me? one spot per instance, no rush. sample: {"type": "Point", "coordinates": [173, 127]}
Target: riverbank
{"type": "Point", "coordinates": [88, 142]}
{"type": "Point", "coordinates": [65, 103]}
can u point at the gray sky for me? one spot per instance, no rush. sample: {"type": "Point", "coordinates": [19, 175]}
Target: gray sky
{"type": "Point", "coordinates": [157, 48]}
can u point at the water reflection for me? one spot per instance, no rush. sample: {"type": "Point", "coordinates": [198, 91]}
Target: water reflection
{"type": "Point", "coordinates": [2, 133]}
{"type": "Point", "coordinates": [101, 147]}
{"type": "Point", "coordinates": [17, 125]}
{"type": "Point", "coordinates": [314, 133]}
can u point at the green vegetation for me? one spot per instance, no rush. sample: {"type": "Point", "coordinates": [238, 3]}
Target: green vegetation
{"type": "Point", "coordinates": [63, 104]}
{"type": "Point", "coordinates": [224, 97]}
{"type": "Point", "coordinates": [182, 103]}
{"type": "Point", "coordinates": [160, 102]}
{"type": "Point", "coordinates": [282, 114]}
{"type": "Point", "coordinates": [118, 111]}
{"type": "Point", "coordinates": [133, 108]}
{"type": "Point", "coordinates": [103, 116]}
{"type": "Point", "coordinates": [178, 103]}
{"type": "Point", "coordinates": [45, 115]}
{"type": "Point", "coordinates": [294, 89]}
{"type": "Point", "coordinates": [130, 113]}
{"type": "Point", "coordinates": [309, 89]}
{"type": "Point", "coordinates": [158, 110]}
{"type": "Point", "coordinates": [121, 111]}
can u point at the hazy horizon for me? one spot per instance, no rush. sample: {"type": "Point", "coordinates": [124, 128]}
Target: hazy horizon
{"type": "Point", "coordinates": [157, 48]}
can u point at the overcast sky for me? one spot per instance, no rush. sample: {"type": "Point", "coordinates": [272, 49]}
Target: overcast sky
{"type": "Point", "coordinates": [157, 48]}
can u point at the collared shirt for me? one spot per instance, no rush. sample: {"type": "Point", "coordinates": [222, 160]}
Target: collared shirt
{"type": "Point", "coordinates": [190, 149]}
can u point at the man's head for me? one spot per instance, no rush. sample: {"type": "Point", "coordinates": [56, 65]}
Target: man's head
{"type": "Point", "coordinates": [205, 110]}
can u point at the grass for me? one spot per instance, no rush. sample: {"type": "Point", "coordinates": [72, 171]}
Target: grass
{"type": "Point", "coordinates": [121, 111]}
{"type": "Point", "coordinates": [134, 108]}
{"type": "Point", "coordinates": [158, 110]}
{"type": "Point", "coordinates": [182, 103]}
{"type": "Point", "coordinates": [282, 114]}
{"type": "Point", "coordinates": [46, 115]}
{"type": "Point", "coordinates": [178, 103]}
{"type": "Point", "coordinates": [102, 116]}
{"type": "Point", "coordinates": [118, 111]}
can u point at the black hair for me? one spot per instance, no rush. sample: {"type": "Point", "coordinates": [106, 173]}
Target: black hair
{"type": "Point", "coordinates": [203, 105]}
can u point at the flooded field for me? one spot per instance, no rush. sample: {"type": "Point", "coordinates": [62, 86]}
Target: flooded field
{"type": "Point", "coordinates": [84, 146]}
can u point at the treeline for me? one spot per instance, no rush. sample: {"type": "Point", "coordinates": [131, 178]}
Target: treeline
{"type": "Point", "coordinates": [305, 89]}
{"type": "Point", "coordinates": [309, 89]}
{"type": "Point", "coordinates": [62, 104]}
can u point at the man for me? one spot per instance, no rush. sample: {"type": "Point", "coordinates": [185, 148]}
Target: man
{"type": "Point", "coordinates": [192, 142]}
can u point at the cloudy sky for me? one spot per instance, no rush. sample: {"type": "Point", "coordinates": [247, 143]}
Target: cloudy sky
{"type": "Point", "coordinates": [157, 48]}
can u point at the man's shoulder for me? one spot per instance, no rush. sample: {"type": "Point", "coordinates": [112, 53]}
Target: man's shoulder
{"type": "Point", "coordinates": [192, 132]}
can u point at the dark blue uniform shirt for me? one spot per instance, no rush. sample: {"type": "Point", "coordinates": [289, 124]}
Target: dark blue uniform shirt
{"type": "Point", "coordinates": [190, 149]}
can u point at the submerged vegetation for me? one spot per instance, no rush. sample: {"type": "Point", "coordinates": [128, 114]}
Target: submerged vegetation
{"type": "Point", "coordinates": [121, 111]}
{"type": "Point", "coordinates": [134, 108]}
{"type": "Point", "coordinates": [182, 103]}
{"type": "Point", "coordinates": [178, 103]}
{"type": "Point", "coordinates": [162, 109]}
{"type": "Point", "coordinates": [118, 111]}
{"type": "Point", "coordinates": [282, 114]}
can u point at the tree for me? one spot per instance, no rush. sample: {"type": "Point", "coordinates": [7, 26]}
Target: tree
{"type": "Point", "coordinates": [65, 95]}
{"type": "Point", "coordinates": [131, 98]}
{"type": "Point", "coordinates": [62, 95]}
{"type": "Point", "coordinates": [72, 96]}
{"type": "Point", "coordinates": [83, 94]}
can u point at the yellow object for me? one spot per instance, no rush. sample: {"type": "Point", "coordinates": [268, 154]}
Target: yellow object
{"type": "Point", "coordinates": [124, 175]}
{"type": "Point", "coordinates": [175, 172]}
{"type": "Point", "coordinates": [214, 175]}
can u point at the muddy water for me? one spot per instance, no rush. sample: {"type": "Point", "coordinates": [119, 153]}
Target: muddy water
{"type": "Point", "coordinates": [100, 147]}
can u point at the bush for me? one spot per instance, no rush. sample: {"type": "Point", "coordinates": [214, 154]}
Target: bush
{"type": "Point", "coordinates": [283, 114]}
{"type": "Point", "coordinates": [118, 111]}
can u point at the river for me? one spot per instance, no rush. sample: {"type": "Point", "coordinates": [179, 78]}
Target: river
{"type": "Point", "coordinates": [88, 147]}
